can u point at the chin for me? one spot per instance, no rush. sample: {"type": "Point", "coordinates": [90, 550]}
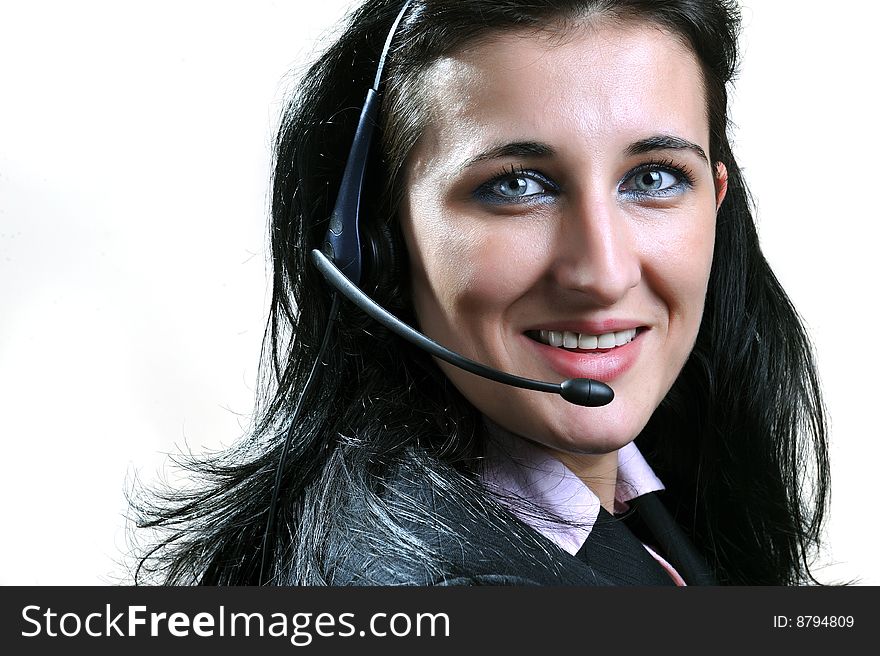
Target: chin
{"type": "Point", "coordinates": [594, 441]}
{"type": "Point", "coordinates": [557, 424]}
{"type": "Point", "coordinates": [587, 431]}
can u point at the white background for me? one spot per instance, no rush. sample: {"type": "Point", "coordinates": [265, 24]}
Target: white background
{"type": "Point", "coordinates": [134, 174]}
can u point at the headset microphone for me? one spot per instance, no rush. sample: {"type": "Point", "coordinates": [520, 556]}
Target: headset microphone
{"type": "Point", "coordinates": [580, 391]}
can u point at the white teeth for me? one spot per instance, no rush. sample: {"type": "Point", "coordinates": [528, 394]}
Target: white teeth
{"type": "Point", "coordinates": [588, 341]}
{"type": "Point", "coordinates": [622, 337]}
{"type": "Point", "coordinates": [571, 340]}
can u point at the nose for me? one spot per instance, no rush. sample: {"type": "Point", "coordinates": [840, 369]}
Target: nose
{"type": "Point", "coordinates": [596, 254]}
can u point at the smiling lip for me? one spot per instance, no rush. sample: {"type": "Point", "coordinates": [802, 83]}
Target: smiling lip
{"type": "Point", "coordinates": [600, 364]}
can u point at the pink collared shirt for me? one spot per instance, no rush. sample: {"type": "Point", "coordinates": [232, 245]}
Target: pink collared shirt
{"type": "Point", "coordinates": [518, 469]}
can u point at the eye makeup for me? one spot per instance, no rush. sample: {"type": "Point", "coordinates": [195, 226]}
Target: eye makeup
{"type": "Point", "coordinates": [516, 185]}
{"type": "Point", "coordinates": [683, 175]}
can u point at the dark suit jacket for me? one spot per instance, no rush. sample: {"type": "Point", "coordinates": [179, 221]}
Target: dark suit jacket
{"type": "Point", "coordinates": [487, 552]}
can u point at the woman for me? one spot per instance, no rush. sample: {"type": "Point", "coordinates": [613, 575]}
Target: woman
{"type": "Point", "coordinates": [551, 193]}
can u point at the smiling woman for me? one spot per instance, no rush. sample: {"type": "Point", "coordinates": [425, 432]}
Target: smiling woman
{"type": "Point", "coordinates": [606, 199]}
{"type": "Point", "coordinates": [551, 194]}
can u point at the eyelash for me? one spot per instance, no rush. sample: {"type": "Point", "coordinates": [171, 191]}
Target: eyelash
{"type": "Point", "coordinates": [683, 173]}
{"type": "Point", "coordinates": [485, 191]}
{"type": "Point", "coordinates": [486, 194]}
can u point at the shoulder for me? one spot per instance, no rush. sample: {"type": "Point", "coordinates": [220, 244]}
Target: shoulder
{"type": "Point", "coordinates": [436, 533]}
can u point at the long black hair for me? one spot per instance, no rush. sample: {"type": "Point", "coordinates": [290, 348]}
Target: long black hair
{"type": "Point", "coordinates": [739, 441]}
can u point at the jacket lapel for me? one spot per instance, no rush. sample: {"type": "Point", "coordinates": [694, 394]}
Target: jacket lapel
{"type": "Point", "coordinates": [672, 542]}
{"type": "Point", "coordinates": [614, 551]}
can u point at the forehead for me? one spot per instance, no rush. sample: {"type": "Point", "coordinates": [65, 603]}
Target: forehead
{"type": "Point", "coordinates": [601, 81]}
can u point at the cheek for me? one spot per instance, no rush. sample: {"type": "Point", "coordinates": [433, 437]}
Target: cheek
{"type": "Point", "coordinates": [699, 247]}
{"type": "Point", "coordinates": [677, 264]}
{"type": "Point", "coordinates": [431, 245]}
{"type": "Point", "coordinates": [471, 271]}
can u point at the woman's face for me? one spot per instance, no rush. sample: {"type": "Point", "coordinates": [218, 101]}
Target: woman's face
{"type": "Point", "coordinates": [560, 221]}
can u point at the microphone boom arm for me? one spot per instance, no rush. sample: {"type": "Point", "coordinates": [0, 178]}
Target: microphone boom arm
{"type": "Point", "coordinates": [581, 391]}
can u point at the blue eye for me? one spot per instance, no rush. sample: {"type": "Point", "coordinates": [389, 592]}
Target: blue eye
{"type": "Point", "coordinates": [515, 187]}
{"type": "Point", "coordinates": [655, 180]}
{"type": "Point", "coordinates": [518, 187]}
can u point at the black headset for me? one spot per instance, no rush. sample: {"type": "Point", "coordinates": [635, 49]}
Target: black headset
{"type": "Point", "coordinates": [342, 244]}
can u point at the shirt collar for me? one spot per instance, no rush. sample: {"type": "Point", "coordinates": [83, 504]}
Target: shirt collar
{"type": "Point", "coordinates": [548, 496]}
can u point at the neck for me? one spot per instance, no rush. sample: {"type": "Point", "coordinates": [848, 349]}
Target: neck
{"type": "Point", "coordinates": [597, 471]}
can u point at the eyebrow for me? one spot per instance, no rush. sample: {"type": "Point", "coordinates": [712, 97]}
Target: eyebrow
{"type": "Point", "coordinates": [538, 149]}
{"type": "Point", "coordinates": [513, 149]}
{"type": "Point", "coordinates": [665, 142]}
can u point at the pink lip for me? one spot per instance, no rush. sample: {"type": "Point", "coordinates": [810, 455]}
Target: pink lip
{"type": "Point", "coordinates": [604, 364]}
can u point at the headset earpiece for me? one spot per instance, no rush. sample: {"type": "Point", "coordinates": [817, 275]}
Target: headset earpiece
{"type": "Point", "coordinates": [380, 261]}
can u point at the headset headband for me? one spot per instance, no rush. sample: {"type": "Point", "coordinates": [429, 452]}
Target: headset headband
{"type": "Point", "coordinates": [342, 243]}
